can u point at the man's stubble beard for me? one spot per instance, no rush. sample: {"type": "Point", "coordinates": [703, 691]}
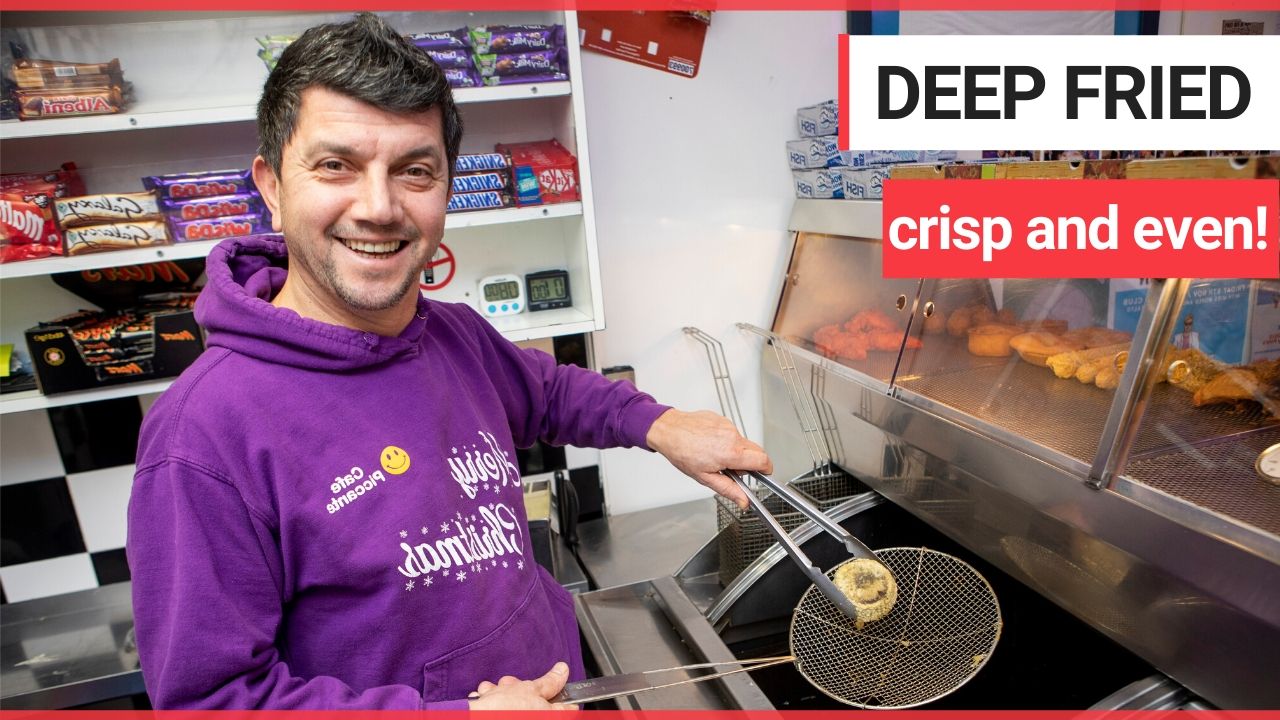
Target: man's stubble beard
{"type": "Point", "coordinates": [325, 270]}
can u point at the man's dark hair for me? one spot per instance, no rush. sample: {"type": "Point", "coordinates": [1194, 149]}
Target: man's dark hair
{"type": "Point", "coordinates": [364, 59]}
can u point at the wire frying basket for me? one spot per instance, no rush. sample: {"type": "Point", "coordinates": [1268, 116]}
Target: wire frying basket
{"type": "Point", "coordinates": [941, 631]}
{"type": "Point", "coordinates": [743, 536]}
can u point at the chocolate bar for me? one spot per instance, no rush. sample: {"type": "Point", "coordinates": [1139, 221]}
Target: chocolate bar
{"type": "Point", "coordinates": [524, 79]}
{"type": "Point", "coordinates": [527, 63]}
{"type": "Point", "coordinates": [32, 73]}
{"type": "Point", "coordinates": [452, 58]}
{"type": "Point", "coordinates": [488, 200]}
{"type": "Point", "coordinates": [109, 208]}
{"type": "Point", "coordinates": [482, 161]}
{"type": "Point", "coordinates": [127, 368]}
{"type": "Point", "coordinates": [516, 38]}
{"type": "Point", "coordinates": [462, 77]}
{"type": "Point", "coordinates": [249, 203]}
{"type": "Point", "coordinates": [205, 184]}
{"type": "Point", "coordinates": [444, 40]}
{"type": "Point", "coordinates": [115, 236]}
{"type": "Point", "coordinates": [218, 227]}
{"type": "Point", "coordinates": [479, 182]}
{"type": "Point", "coordinates": [34, 104]}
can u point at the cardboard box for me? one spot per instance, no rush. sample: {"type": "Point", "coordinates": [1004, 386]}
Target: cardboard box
{"type": "Point", "coordinates": [823, 184]}
{"type": "Point", "coordinates": [918, 172]}
{"type": "Point", "coordinates": [818, 120]}
{"type": "Point", "coordinates": [1241, 168]}
{"type": "Point", "coordinates": [812, 153]}
{"type": "Point", "coordinates": [864, 183]}
{"type": "Point", "coordinates": [543, 172]}
{"type": "Point", "coordinates": [60, 368]}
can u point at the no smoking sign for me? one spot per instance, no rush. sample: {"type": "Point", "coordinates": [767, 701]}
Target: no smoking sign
{"type": "Point", "coordinates": [439, 269]}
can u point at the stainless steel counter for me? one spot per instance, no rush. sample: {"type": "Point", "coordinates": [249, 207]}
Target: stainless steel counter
{"type": "Point", "coordinates": [69, 650]}
{"type": "Point", "coordinates": [636, 546]}
{"type": "Point", "coordinates": [75, 649]}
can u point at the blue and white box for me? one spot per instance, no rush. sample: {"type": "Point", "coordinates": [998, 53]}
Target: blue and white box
{"type": "Point", "coordinates": [812, 153]}
{"type": "Point", "coordinates": [864, 183]}
{"type": "Point", "coordinates": [818, 120]}
{"type": "Point", "coordinates": [823, 184]}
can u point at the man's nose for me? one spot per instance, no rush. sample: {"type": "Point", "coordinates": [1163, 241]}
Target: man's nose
{"type": "Point", "coordinates": [377, 202]}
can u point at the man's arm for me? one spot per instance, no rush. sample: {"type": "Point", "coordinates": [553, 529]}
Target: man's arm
{"type": "Point", "coordinates": [565, 404]}
{"type": "Point", "coordinates": [701, 444]}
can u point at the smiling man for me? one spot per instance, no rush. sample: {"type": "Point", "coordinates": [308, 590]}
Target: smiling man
{"type": "Point", "coordinates": [326, 513]}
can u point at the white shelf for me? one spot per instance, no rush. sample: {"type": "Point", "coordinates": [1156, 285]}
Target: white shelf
{"type": "Point", "coordinates": [516, 328]}
{"type": "Point", "coordinates": [146, 116]}
{"type": "Point", "coordinates": [113, 258]}
{"type": "Point", "coordinates": [476, 218]}
{"type": "Point", "coordinates": [182, 251]}
{"type": "Point", "coordinates": [33, 400]}
{"type": "Point", "coordinates": [544, 324]}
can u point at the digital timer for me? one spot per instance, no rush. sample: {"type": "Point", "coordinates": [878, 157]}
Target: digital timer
{"type": "Point", "coordinates": [500, 295]}
{"type": "Point", "coordinates": [548, 290]}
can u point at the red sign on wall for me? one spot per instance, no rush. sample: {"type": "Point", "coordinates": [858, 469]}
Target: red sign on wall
{"type": "Point", "coordinates": [666, 40]}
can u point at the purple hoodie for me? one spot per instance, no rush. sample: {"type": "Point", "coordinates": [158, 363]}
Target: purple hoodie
{"type": "Point", "coordinates": [326, 518]}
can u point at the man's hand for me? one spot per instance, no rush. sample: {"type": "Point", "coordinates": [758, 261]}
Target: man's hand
{"type": "Point", "coordinates": [511, 693]}
{"type": "Point", "coordinates": [701, 444]}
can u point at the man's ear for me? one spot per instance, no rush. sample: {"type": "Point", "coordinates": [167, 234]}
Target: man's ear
{"type": "Point", "coordinates": [269, 186]}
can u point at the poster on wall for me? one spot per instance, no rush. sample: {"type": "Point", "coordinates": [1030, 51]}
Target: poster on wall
{"type": "Point", "coordinates": [1128, 296]}
{"type": "Point", "coordinates": [1264, 326]}
{"type": "Point", "coordinates": [1214, 319]}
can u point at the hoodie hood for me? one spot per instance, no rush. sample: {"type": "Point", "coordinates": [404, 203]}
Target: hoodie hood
{"type": "Point", "coordinates": [235, 310]}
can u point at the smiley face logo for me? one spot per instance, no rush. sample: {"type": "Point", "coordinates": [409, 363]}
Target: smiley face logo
{"type": "Point", "coordinates": [394, 460]}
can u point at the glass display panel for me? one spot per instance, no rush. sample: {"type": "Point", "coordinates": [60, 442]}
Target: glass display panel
{"type": "Point", "coordinates": [1211, 417]}
{"type": "Point", "coordinates": [835, 303]}
{"type": "Point", "coordinates": [1038, 358]}
{"type": "Point", "coordinates": [502, 291]}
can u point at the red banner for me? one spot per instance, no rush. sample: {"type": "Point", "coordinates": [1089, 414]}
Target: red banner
{"type": "Point", "coordinates": [1081, 228]}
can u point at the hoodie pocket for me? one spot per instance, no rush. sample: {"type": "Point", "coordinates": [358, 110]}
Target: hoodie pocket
{"type": "Point", "coordinates": [540, 632]}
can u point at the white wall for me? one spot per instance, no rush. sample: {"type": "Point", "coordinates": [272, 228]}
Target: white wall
{"type": "Point", "coordinates": [692, 199]}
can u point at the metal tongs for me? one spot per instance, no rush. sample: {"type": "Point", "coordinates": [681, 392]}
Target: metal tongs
{"type": "Point", "coordinates": [612, 686]}
{"type": "Point", "coordinates": [813, 572]}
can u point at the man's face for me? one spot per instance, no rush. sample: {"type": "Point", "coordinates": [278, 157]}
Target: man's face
{"type": "Point", "coordinates": [360, 198]}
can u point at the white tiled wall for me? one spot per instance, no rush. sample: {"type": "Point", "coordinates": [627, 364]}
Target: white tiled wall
{"type": "Point", "coordinates": [54, 576]}
{"type": "Point", "coordinates": [101, 498]}
{"type": "Point", "coordinates": [27, 448]}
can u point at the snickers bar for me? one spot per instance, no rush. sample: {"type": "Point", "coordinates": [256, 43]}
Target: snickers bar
{"type": "Point", "coordinates": [480, 162]}
{"type": "Point", "coordinates": [479, 182]}
{"type": "Point", "coordinates": [488, 200]}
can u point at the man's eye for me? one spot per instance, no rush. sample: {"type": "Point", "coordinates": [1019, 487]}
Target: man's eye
{"type": "Point", "coordinates": [417, 172]}
{"type": "Point", "coordinates": [332, 165]}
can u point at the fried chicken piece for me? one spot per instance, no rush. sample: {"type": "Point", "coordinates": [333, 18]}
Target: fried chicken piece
{"type": "Point", "coordinates": [1268, 371]}
{"type": "Point", "coordinates": [1230, 386]}
{"type": "Point", "coordinates": [826, 337]}
{"type": "Point", "coordinates": [886, 340]}
{"type": "Point", "coordinates": [870, 319]}
{"type": "Point", "coordinates": [852, 346]}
